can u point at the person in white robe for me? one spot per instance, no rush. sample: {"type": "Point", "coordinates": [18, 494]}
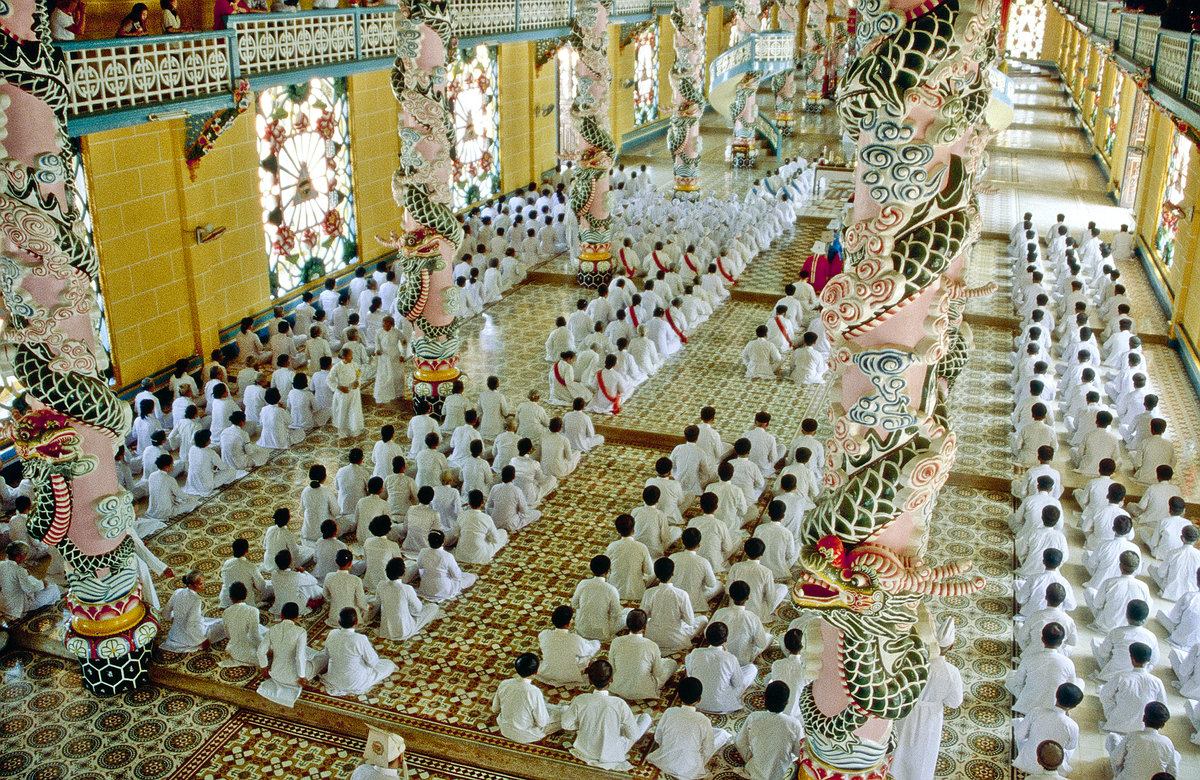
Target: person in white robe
{"type": "Point", "coordinates": [479, 538]}
{"type": "Point", "coordinates": [243, 625]}
{"type": "Point", "coordinates": [1147, 752]}
{"type": "Point", "coordinates": [284, 652]}
{"type": "Point", "coordinates": [493, 410]}
{"type": "Point", "coordinates": [507, 505]}
{"type": "Point", "coordinates": [760, 356]}
{"type": "Point", "coordinates": [770, 739]}
{"type": "Point", "coordinates": [345, 379]}
{"type": "Point", "coordinates": [919, 734]}
{"type": "Point", "coordinates": [1040, 672]}
{"type": "Point", "coordinates": [1108, 605]}
{"type": "Point", "coordinates": [441, 577]}
{"type": "Point", "coordinates": [277, 433]}
{"type": "Point", "coordinates": [389, 371]}
{"type": "Point", "coordinates": [639, 670]}
{"type": "Point", "coordinates": [597, 604]}
{"type": "Point", "coordinates": [560, 340]}
{"type": "Point", "coordinates": [612, 389]}
{"type": "Point", "coordinates": [1112, 654]}
{"type": "Point", "coordinates": [520, 707]}
{"type": "Point", "coordinates": [632, 568]}
{"type": "Point", "coordinates": [165, 499]}
{"type": "Point", "coordinates": [1176, 575]}
{"type": "Point", "coordinates": [206, 470]}
{"type": "Point", "coordinates": [686, 739]}
{"type": "Point", "coordinates": [20, 592]}
{"type": "Point", "coordinates": [401, 613]}
{"type": "Point", "coordinates": [558, 459]}
{"type": "Point", "coordinates": [1183, 619]}
{"type": "Point", "coordinates": [724, 679]}
{"type": "Point", "coordinates": [533, 481]}
{"type": "Point", "coordinates": [1028, 633]}
{"type": "Point", "coordinates": [671, 621]}
{"type": "Point", "coordinates": [1048, 723]}
{"type": "Point", "coordinates": [1125, 696]}
{"type": "Point", "coordinates": [190, 630]}
{"type": "Point", "coordinates": [354, 666]}
{"type": "Point", "coordinates": [565, 654]}
{"type": "Point", "coordinates": [579, 429]}
{"type": "Point", "coordinates": [694, 573]}
{"type": "Point", "coordinates": [564, 387]}
{"type": "Point", "coordinates": [605, 726]}
{"type": "Point", "coordinates": [240, 569]}
{"type": "Point", "coordinates": [691, 464]}
{"type": "Point", "coordinates": [237, 450]}
{"type": "Point", "coordinates": [808, 365]}
{"type": "Point", "coordinates": [791, 669]}
{"type": "Point", "coordinates": [747, 637]}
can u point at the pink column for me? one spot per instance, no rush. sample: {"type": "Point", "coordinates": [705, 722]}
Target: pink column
{"type": "Point", "coordinates": [784, 84]}
{"type": "Point", "coordinates": [67, 423]}
{"type": "Point", "coordinates": [421, 185]}
{"type": "Point", "coordinates": [744, 152]}
{"type": "Point", "coordinates": [683, 136]}
{"type": "Point", "coordinates": [893, 317]}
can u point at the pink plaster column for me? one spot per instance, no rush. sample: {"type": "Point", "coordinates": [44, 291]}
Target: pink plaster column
{"type": "Point", "coordinates": [683, 135]}
{"type": "Point", "coordinates": [784, 84]}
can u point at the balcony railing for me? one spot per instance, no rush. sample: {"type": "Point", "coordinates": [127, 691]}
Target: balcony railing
{"type": "Point", "coordinates": [136, 76]}
{"type": "Point", "coordinates": [1172, 58]}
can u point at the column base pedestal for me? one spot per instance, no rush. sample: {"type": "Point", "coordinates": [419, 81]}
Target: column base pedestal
{"type": "Point", "coordinates": [434, 387]}
{"type": "Point", "coordinates": [595, 269]}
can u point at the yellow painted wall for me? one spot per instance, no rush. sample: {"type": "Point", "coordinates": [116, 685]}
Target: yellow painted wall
{"type": "Point", "coordinates": [666, 59]}
{"type": "Point", "coordinates": [1052, 33]}
{"type": "Point", "coordinates": [528, 142]}
{"type": "Point", "coordinates": [374, 152]}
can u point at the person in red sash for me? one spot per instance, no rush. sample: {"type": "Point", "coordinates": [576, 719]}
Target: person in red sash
{"type": "Point", "coordinates": [781, 332]}
{"type": "Point", "coordinates": [611, 389]}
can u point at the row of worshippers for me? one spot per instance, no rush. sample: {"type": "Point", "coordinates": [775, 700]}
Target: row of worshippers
{"type": "Point", "coordinates": [1045, 685]}
{"type": "Point", "coordinates": [792, 343]}
{"type": "Point", "coordinates": [673, 607]}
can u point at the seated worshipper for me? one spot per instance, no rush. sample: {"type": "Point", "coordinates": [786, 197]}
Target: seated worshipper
{"type": "Point", "coordinates": [535, 483]}
{"type": "Point", "coordinates": [920, 732]}
{"type": "Point", "coordinates": [1146, 752]}
{"type": "Point", "coordinates": [280, 537]}
{"type": "Point", "coordinates": [293, 584]}
{"type": "Point", "coordinates": [746, 473]}
{"type": "Point", "coordinates": [507, 504]}
{"type": "Point", "coordinates": [1101, 443]}
{"type": "Point", "coordinates": [579, 429]}
{"type": "Point", "coordinates": [1176, 574]}
{"type": "Point", "coordinates": [651, 525]}
{"type": "Point", "coordinates": [1108, 605]}
{"type": "Point", "coordinates": [275, 421]}
{"type": "Point", "coordinates": [692, 464]}
{"type": "Point", "coordinates": [306, 414]}
{"type": "Point", "coordinates": [685, 738]}
{"type": "Point", "coordinates": [236, 448]}
{"type": "Point", "coordinates": [242, 624]}
{"type": "Point", "coordinates": [605, 726]}
{"type": "Point", "coordinates": [165, 498]}
{"type": "Point", "coordinates": [1183, 621]}
{"type": "Point", "coordinates": [808, 365]}
{"type": "Point", "coordinates": [378, 550]}
{"type": "Point", "coordinates": [455, 407]}
{"type": "Point", "coordinates": [384, 752]}
{"type": "Point", "coordinates": [790, 669]}
{"type": "Point", "coordinates": [206, 470]}
{"type": "Point", "coordinates": [479, 538]}
{"type": "Point", "coordinates": [1048, 723]}
{"type": "Point", "coordinates": [1032, 594]}
{"type": "Point", "coordinates": [431, 462]}
{"type": "Point", "coordinates": [611, 389]}
{"type": "Point", "coordinates": [20, 592]}
{"type": "Point", "coordinates": [1040, 672]}
{"type": "Point", "coordinates": [747, 637]}
{"type": "Point", "coordinates": [632, 568]}
{"type": "Point", "coordinates": [318, 503]}
{"type": "Point", "coordinates": [420, 426]}
{"type": "Point", "coordinates": [354, 666]}
{"type": "Point", "coordinates": [724, 679]}
{"type": "Point", "coordinates": [1030, 544]}
{"type": "Point", "coordinates": [1125, 696]}
{"type": "Point", "coordinates": [560, 340]}
{"type": "Point", "coordinates": [597, 604]}
{"type": "Point", "coordinates": [1033, 435]}
{"type": "Point", "coordinates": [760, 356]}
{"type": "Point", "coordinates": [731, 500]}
{"type": "Point", "coordinates": [344, 590]}
{"type": "Point", "coordinates": [566, 653]}
{"type": "Point", "coordinates": [284, 652]}
{"type": "Point", "coordinates": [1164, 535]}
{"type": "Point", "coordinates": [441, 577]}
{"type": "Point", "coordinates": [1154, 502]}
{"type": "Point", "coordinates": [764, 448]}
{"type": "Point", "coordinates": [521, 710]}
{"type": "Point", "coordinates": [1029, 631]}
{"type": "Point", "coordinates": [693, 572]}
{"type": "Point", "coordinates": [401, 613]}
{"type": "Point", "coordinates": [1112, 654]}
{"type": "Point", "coordinates": [782, 550]}
{"type": "Point", "coordinates": [765, 594]}
{"type": "Point", "coordinates": [769, 739]}
{"type": "Point", "coordinates": [241, 569]}
{"type": "Point", "coordinates": [190, 630]}
{"type": "Point", "coordinates": [671, 621]}
{"type": "Point", "coordinates": [368, 507]}
{"type": "Point", "coordinates": [1152, 452]}
{"type": "Point", "coordinates": [422, 518]}
{"type": "Point", "coordinates": [564, 387]}
{"type": "Point", "coordinates": [671, 499]}
{"type": "Point", "coordinates": [558, 459]}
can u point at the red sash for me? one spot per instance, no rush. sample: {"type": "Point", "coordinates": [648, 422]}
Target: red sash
{"type": "Point", "coordinates": [633, 316]}
{"type": "Point", "coordinates": [783, 330]}
{"type": "Point", "coordinates": [688, 259]}
{"type": "Point", "coordinates": [675, 328]}
{"type": "Point", "coordinates": [604, 391]}
{"type": "Point", "coordinates": [628, 269]}
{"type": "Point", "coordinates": [658, 263]}
{"type": "Point", "coordinates": [721, 268]}
{"type": "Point", "coordinates": [558, 376]}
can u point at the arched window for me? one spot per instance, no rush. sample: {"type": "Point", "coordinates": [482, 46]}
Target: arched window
{"type": "Point", "coordinates": [304, 177]}
{"type": "Point", "coordinates": [473, 90]}
{"type": "Point", "coordinates": [1173, 192]}
{"type": "Point", "coordinates": [645, 75]}
{"type": "Point", "coordinates": [568, 84]}
{"type": "Point", "coordinates": [1026, 28]}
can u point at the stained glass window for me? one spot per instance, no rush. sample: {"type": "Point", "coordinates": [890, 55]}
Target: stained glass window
{"type": "Point", "coordinates": [473, 89]}
{"type": "Point", "coordinates": [305, 181]}
{"type": "Point", "coordinates": [1026, 28]}
{"type": "Point", "coordinates": [568, 85]}
{"type": "Point", "coordinates": [1173, 192]}
{"type": "Point", "coordinates": [85, 216]}
{"type": "Point", "coordinates": [645, 76]}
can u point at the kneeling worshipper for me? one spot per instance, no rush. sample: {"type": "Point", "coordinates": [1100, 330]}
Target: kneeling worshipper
{"type": "Point", "coordinates": [190, 630]}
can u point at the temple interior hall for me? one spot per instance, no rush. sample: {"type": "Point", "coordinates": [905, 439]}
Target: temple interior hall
{"type": "Point", "coordinates": [178, 184]}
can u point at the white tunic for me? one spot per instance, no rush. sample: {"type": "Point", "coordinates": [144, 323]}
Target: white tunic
{"type": "Point", "coordinates": [686, 742]}
{"type": "Point", "coordinates": [165, 499]}
{"type": "Point", "coordinates": [354, 666]}
{"type": "Point", "coordinates": [598, 612]}
{"type": "Point", "coordinates": [1124, 699]}
{"type": "Point", "coordinates": [639, 670]}
{"type": "Point", "coordinates": [441, 577]}
{"type": "Point", "coordinates": [770, 743]}
{"type": "Point", "coordinates": [606, 729]}
{"type": "Point", "coordinates": [565, 655]}
{"type": "Point", "coordinates": [277, 433]}
{"type": "Point", "coordinates": [401, 613]}
{"type": "Point", "coordinates": [671, 623]}
{"type": "Point", "coordinates": [285, 648]}
{"type": "Point", "coordinates": [347, 402]}
{"type": "Point", "coordinates": [245, 633]}
{"type": "Point", "coordinates": [724, 679]}
{"type": "Point", "coordinates": [631, 567]}
{"type": "Point", "coordinates": [189, 628]}
{"type": "Point", "coordinates": [919, 735]}
{"type": "Point", "coordinates": [207, 472]}
{"type": "Point", "coordinates": [522, 714]}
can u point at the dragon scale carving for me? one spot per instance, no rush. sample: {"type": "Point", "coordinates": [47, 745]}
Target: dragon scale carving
{"type": "Point", "coordinates": [914, 102]}
{"type": "Point", "coordinates": [683, 134]}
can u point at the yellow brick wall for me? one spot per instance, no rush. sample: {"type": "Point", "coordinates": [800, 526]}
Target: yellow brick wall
{"type": "Point", "coordinates": [374, 153]}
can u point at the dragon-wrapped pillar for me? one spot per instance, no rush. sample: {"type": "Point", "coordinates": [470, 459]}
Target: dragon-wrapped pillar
{"type": "Point", "coordinates": [784, 84]}
{"type": "Point", "coordinates": [66, 423]}
{"type": "Point", "coordinates": [914, 104]}
{"type": "Point", "coordinates": [421, 186]}
{"type": "Point", "coordinates": [683, 134]}
{"type": "Point", "coordinates": [589, 194]}
{"type": "Point", "coordinates": [744, 145]}
{"type": "Point", "coordinates": [812, 58]}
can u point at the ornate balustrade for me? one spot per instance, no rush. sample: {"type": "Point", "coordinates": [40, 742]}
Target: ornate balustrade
{"type": "Point", "coordinates": [118, 82]}
{"type": "Point", "coordinates": [1172, 59]}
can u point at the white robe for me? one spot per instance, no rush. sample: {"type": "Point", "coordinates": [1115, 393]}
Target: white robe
{"type": "Point", "coordinates": [522, 713]}
{"type": "Point", "coordinates": [919, 735]}
{"type": "Point", "coordinates": [354, 666]}
{"type": "Point", "coordinates": [1183, 621]}
{"type": "Point", "coordinates": [1038, 676]}
{"type": "Point", "coordinates": [390, 369]}
{"type": "Point", "coordinates": [239, 452]}
{"type": "Point", "coordinates": [605, 729]}
{"type": "Point", "coordinates": [401, 613]}
{"type": "Point", "coordinates": [686, 742]}
{"type": "Point", "coordinates": [285, 648]}
{"type": "Point", "coordinates": [1124, 698]}
{"type": "Point", "coordinates": [724, 679]}
{"type": "Point", "coordinates": [165, 499]}
{"type": "Point", "coordinates": [189, 628]}
{"type": "Point", "coordinates": [347, 404]}
{"type": "Point", "coordinates": [276, 431]}
{"type": "Point", "coordinates": [761, 357]}
{"type": "Point", "coordinates": [207, 472]}
{"type": "Point", "coordinates": [580, 431]}
{"type": "Point", "coordinates": [245, 634]}
{"type": "Point", "coordinates": [770, 744]}
{"type": "Point", "coordinates": [671, 622]}
{"type": "Point", "coordinates": [558, 458]}
{"type": "Point", "coordinates": [479, 538]}
{"type": "Point", "coordinates": [441, 577]}
{"type": "Point", "coordinates": [565, 656]}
